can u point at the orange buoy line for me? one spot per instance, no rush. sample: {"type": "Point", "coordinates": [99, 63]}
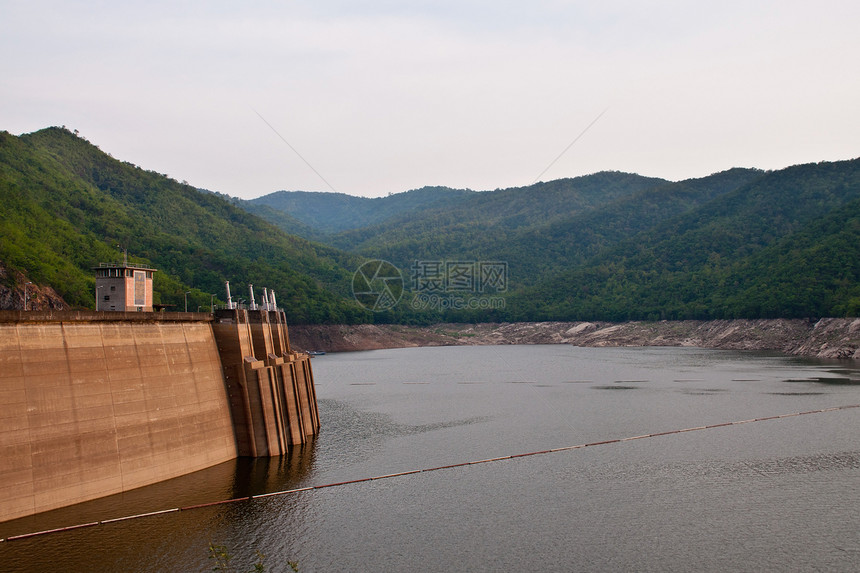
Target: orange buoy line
{"type": "Point", "coordinates": [433, 469]}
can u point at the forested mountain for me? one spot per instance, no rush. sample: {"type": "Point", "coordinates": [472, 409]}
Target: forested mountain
{"type": "Point", "coordinates": [65, 206]}
{"type": "Point", "coordinates": [741, 243]}
{"type": "Point", "coordinates": [335, 212]}
{"type": "Point", "coordinates": [280, 219]}
{"type": "Point", "coordinates": [609, 246]}
{"type": "Point", "coordinates": [537, 230]}
{"type": "Point", "coordinates": [487, 225]}
{"type": "Point", "coordinates": [541, 250]}
{"type": "Point", "coordinates": [541, 229]}
{"type": "Point", "coordinates": [787, 244]}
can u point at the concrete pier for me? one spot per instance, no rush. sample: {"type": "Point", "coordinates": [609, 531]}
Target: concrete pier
{"type": "Point", "coordinates": [271, 390]}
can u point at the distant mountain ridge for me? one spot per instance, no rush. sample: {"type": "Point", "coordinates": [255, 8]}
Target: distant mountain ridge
{"type": "Point", "coordinates": [742, 243]}
{"type": "Point", "coordinates": [536, 230]}
{"type": "Point", "coordinates": [336, 212]}
{"type": "Point", "coordinates": [617, 246]}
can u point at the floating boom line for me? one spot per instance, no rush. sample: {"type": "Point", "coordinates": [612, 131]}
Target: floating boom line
{"type": "Point", "coordinates": [433, 469]}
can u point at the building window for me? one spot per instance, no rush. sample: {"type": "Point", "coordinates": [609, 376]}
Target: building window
{"type": "Point", "coordinates": [113, 288]}
{"type": "Point", "coordinates": [139, 288]}
{"type": "Point", "coordinates": [107, 297]}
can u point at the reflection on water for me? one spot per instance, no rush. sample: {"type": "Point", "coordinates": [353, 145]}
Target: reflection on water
{"type": "Point", "coordinates": [840, 381]}
{"type": "Point", "coordinates": [780, 494]}
{"type": "Point", "coordinates": [233, 479]}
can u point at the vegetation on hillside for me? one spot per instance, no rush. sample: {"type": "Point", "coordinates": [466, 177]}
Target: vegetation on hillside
{"type": "Point", "coordinates": [784, 245]}
{"type": "Point", "coordinates": [470, 227]}
{"type": "Point", "coordinates": [336, 212]}
{"type": "Point", "coordinates": [615, 246]}
{"type": "Point", "coordinates": [608, 246]}
{"type": "Point", "coordinates": [67, 206]}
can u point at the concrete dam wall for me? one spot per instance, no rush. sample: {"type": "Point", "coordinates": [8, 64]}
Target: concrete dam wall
{"type": "Point", "coordinates": [97, 403]}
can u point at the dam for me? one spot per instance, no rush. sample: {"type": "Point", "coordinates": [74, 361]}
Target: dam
{"type": "Point", "coordinates": [98, 403]}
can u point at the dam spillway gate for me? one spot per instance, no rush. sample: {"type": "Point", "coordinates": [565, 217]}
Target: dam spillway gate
{"type": "Point", "coordinates": [270, 388]}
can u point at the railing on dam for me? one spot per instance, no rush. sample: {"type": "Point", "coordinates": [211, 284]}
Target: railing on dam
{"type": "Point", "coordinates": [47, 316]}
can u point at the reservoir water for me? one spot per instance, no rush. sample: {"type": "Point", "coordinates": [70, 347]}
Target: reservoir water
{"type": "Point", "coordinates": [767, 495]}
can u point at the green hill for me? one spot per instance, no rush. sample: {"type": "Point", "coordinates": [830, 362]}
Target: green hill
{"type": "Point", "coordinates": [65, 206]}
{"type": "Point", "coordinates": [784, 245]}
{"type": "Point", "coordinates": [280, 219]}
{"type": "Point", "coordinates": [491, 224]}
{"type": "Point", "coordinates": [616, 246]}
{"type": "Point", "coordinates": [608, 246]}
{"type": "Point", "coordinates": [540, 251]}
{"type": "Point", "coordinates": [337, 212]}
{"type": "Point", "coordinates": [538, 230]}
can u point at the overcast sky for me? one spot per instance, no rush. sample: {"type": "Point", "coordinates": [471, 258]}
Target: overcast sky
{"type": "Point", "coordinates": [382, 96]}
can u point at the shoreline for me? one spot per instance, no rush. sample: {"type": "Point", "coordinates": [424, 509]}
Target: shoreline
{"type": "Point", "coordinates": [833, 338]}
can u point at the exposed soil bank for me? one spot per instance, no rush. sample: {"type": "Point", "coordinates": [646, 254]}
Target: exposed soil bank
{"type": "Point", "coordinates": [826, 338]}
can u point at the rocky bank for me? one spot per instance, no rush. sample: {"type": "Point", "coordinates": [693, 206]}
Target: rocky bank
{"type": "Point", "coordinates": [36, 297]}
{"type": "Point", "coordinates": [824, 338]}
